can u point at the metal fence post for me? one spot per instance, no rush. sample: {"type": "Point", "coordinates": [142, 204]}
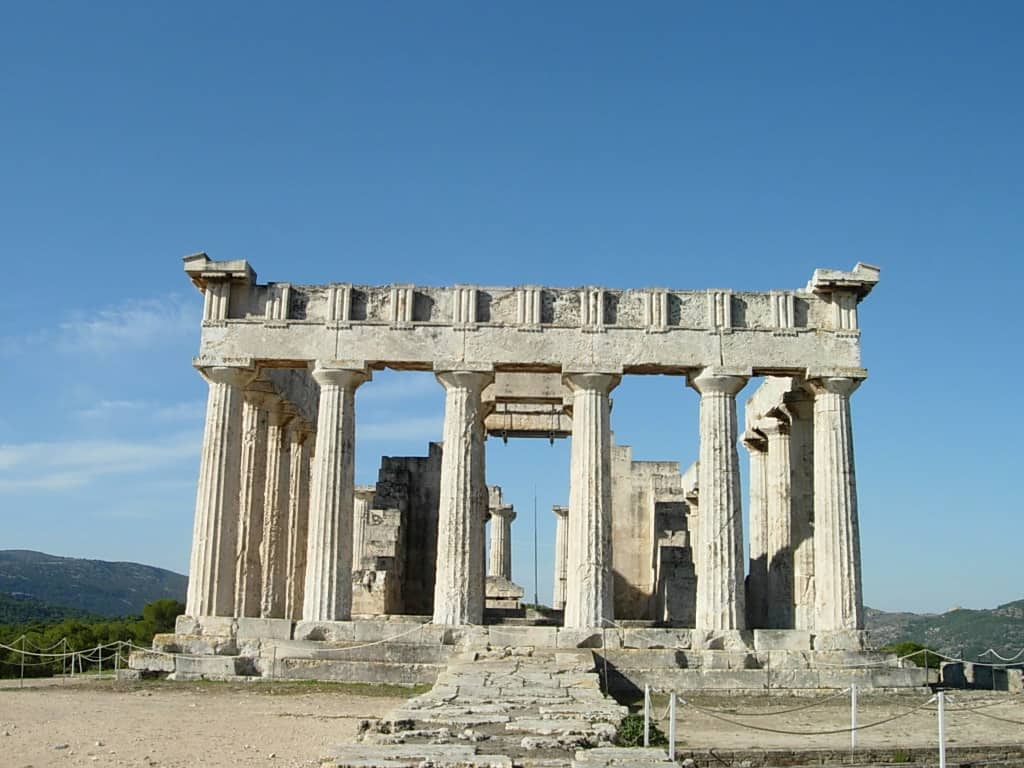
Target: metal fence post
{"type": "Point", "coordinates": [647, 715]}
{"type": "Point", "coordinates": [942, 729]}
{"type": "Point", "coordinates": [672, 726]}
{"type": "Point", "coordinates": [853, 717]}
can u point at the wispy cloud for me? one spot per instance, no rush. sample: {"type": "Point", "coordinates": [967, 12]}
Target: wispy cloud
{"type": "Point", "coordinates": [104, 410]}
{"type": "Point", "coordinates": [74, 463]}
{"type": "Point", "coordinates": [132, 324]}
{"type": "Point", "coordinates": [417, 428]}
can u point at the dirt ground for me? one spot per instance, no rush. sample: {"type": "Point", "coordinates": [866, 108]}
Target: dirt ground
{"type": "Point", "coordinates": [103, 723]}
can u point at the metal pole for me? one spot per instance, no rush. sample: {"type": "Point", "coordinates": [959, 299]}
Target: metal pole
{"type": "Point", "coordinates": [672, 726]}
{"type": "Point", "coordinates": [853, 717]}
{"type": "Point", "coordinates": [536, 579]}
{"type": "Point", "coordinates": [22, 683]}
{"type": "Point", "coordinates": [100, 651]}
{"type": "Point", "coordinates": [942, 729]}
{"type": "Point", "coordinates": [647, 715]}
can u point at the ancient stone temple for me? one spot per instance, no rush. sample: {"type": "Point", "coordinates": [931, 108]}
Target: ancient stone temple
{"type": "Point", "coordinates": [282, 532]}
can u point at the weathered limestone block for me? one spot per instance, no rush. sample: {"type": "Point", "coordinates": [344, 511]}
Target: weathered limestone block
{"type": "Point", "coordinates": [459, 585]}
{"type": "Point", "coordinates": [782, 640]}
{"type": "Point", "coordinates": [588, 599]}
{"type": "Point", "coordinates": [328, 588]}
{"type": "Point", "coordinates": [211, 584]}
{"type": "Point", "coordinates": [680, 639]}
{"type": "Point", "coordinates": [216, 626]}
{"type": "Point", "coordinates": [264, 629]}
{"type": "Point", "coordinates": [722, 640]}
{"type": "Point", "coordinates": [331, 631]}
{"type": "Point", "coordinates": [720, 588]}
{"type": "Point", "coordinates": [150, 661]}
{"type": "Point", "coordinates": [841, 640]}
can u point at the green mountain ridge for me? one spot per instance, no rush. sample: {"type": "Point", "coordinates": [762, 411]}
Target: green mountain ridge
{"type": "Point", "coordinates": [961, 632]}
{"type": "Point", "coordinates": [48, 584]}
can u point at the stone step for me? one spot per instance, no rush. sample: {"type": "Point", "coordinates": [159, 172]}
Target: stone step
{"type": "Point", "coordinates": [622, 757]}
{"type": "Point", "coordinates": [411, 756]}
{"type": "Point", "coordinates": [387, 673]}
{"type": "Point", "coordinates": [405, 653]}
{"type": "Point", "coordinates": [663, 679]}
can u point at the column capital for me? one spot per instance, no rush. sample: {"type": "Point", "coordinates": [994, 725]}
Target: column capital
{"type": "Point", "coordinates": [504, 511]}
{"type": "Point", "coordinates": [755, 441]}
{"type": "Point", "coordinates": [560, 510]}
{"type": "Point", "coordinates": [834, 385]}
{"type": "Point", "coordinates": [236, 375]}
{"type": "Point", "coordinates": [329, 373]}
{"type": "Point", "coordinates": [773, 428]}
{"type": "Point", "coordinates": [719, 380]}
{"type": "Point", "coordinates": [475, 381]}
{"type": "Point", "coordinates": [591, 380]}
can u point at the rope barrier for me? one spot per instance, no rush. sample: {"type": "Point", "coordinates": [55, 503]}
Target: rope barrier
{"type": "Point", "coordinates": [994, 652]}
{"type": "Point", "coordinates": [832, 732]}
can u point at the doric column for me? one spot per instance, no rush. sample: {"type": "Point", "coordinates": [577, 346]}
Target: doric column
{"type": "Point", "coordinates": [780, 524]}
{"type": "Point", "coordinates": [276, 507]}
{"type": "Point", "coordinates": [757, 578]}
{"type": "Point", "coordinates": [298, 516]}
{"type": "Point", "coordinates": [837, 576]}
{"type": "Point", "coordinates": [363, 503]}
{"type": "Point", "coordinates": [274, 547]}
{"type": "Point", "coordinates": [720, 593]}
{"type": "Point", "coordinates": [800, 407]}
{"type": "Point", "coordinates": [211, 583]}
{"type": "Point", "coordinates": [561, 555]}
{"type": "Point", "coordinates": [459, 584]}
{"type": "Point", "coordinates": [588, 588]}
{"type": "Point", "coordinates": [501, 541]}
{"type": "Point", "coordinates": [248, 575]}
{"type": "Point", "coordinates": [328, 591]}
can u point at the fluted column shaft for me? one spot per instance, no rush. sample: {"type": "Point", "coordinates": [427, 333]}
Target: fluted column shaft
{"type": "Point", "coordinates": [211, 584]}
{"type": "Point", "coordinates": [274, 547]}
{"type": "Point", "coordinates": [328, 590]}
{"type": "Point", "coordinates": [837, 573]}
{"type": "Point", "coordinates": [780, 525]}
{"type": "Point", "coordinates": [501, 541]}
{"type": "Point", "coordinates": [561, 555]}
{"type": "Point", "coordinates": [459, 583]}
{"type": "Point", "coordinates": [588, 588]}
{"type": "Point", "coordinates": [720, 590]}
{"type": "Point", "coordinates": [248, 576]}
{"type": "Point", "coordinates": [298, 518]}
{"type": "Point", "coordinates": [801, 443]}
{"type": "Point", "coordinates": [757, 579]}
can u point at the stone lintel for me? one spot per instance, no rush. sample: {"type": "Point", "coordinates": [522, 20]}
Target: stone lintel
{"type": "Point", "coordinates": [782, 640]}
{"type": "Point", "coordinates": [836, 373]}
{"type": "Point", "coordinates": [459, 366]}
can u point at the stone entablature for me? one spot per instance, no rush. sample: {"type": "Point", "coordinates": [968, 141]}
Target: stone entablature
{"type": "Point", "coordinates": [617, 331]}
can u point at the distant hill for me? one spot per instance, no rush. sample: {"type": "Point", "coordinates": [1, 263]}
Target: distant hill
{"type": "Point", "coordinates": [960, 630]}
{"type": "Point", "coordinates": [19, 609]}
{"type": "Point", "coordinates": [85, 586]}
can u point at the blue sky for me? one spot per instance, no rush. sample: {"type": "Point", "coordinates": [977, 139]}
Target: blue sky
{"type": "Point", "coordinates": [690, 145]}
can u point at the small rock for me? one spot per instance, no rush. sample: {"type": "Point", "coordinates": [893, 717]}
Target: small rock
{"type": "Point", "coordinates": [272, 755]}
{"type": "Point", "coordinates": [746, 764]}
{"type": "Point", "coordinates": [99, 743]}
{"type": "Point", "coordinates": [60, 746]}
{"type": "Point", "coordinates": [7, 733]}
{"type": "Point", "coordinates": [688, 763]}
